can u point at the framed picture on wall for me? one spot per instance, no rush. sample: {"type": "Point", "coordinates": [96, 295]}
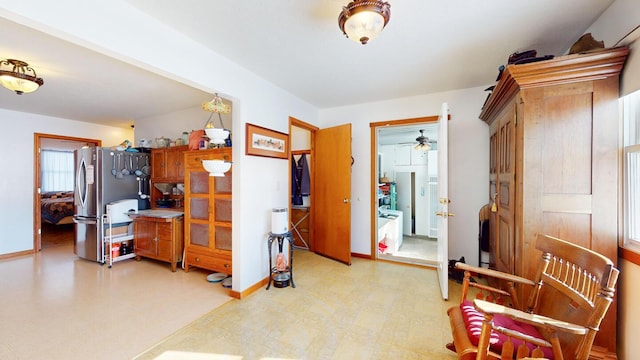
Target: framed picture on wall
{"type": "Point", "coordinates": [265, 142]}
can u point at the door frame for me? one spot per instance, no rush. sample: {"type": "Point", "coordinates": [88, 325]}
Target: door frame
{"type": "Point", "coordinates": [374, 173]}
{"type": "Point", "coordinates": [293, 122]}
{"type": "Point", "coordinates": [37, 215]}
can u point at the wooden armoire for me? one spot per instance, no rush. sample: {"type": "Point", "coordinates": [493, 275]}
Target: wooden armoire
{"type": "Point", "coordinates": [554, 130]}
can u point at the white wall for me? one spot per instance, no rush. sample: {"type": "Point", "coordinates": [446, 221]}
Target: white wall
{"type": "Point", "coordinates": [171, 125]}
{"type": "Point", "coordinates": [17, 161]}
{"type": "Point", "coordinates": [468, 161]}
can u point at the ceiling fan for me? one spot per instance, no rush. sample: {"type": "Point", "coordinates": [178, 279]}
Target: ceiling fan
{"type": "Point", "coordinates": [424, 143]}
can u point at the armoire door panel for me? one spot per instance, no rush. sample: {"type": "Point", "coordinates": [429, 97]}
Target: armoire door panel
{"type": "Point", "coordinates": [568, 226]}
{"type": "Point", "coordinates": [505, 194]}
{"type": "Point", "coordinates": [493, 153]}
{"type": "Point", "coordinates": [566, 144]}
{"type": "Point", "coordinates": [504, 256]}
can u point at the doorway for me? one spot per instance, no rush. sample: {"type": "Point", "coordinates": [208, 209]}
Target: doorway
{"type": "Point", "coordinates": [56, 228]}
{"type": "Point", "coordinates": [329, 151]}
{"type": "Point", "coordinates": [404, 184]}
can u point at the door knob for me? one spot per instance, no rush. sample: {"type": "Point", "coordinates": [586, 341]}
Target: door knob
{"type": "Point", "coordinates": [345, 200]}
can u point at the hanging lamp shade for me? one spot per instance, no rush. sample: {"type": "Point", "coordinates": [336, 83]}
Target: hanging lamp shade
{"type": "Point", "coordinates": [18, 76]}
{"type": "Point", "coordinates": [216, 135]}
{"type": "Point", "coordinates": [216, 105]}
{"type": "Point", "coordinates": [362, 20]}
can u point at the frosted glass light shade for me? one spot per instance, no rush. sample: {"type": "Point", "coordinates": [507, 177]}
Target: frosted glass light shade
{"type": "Point", "coordinates": [217, 135]}
{"type": "Point", "coordinates": [18, 76]}
{"type": "Point", "coordinates": [363, 20]}
{"type": "Point", "coordinates": [216, 167]}
{"type": "Point", "coordinates": [364, 26]}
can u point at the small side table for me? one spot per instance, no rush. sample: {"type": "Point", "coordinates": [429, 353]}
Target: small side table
{"type": "Point", "coordinates": [282, 277]}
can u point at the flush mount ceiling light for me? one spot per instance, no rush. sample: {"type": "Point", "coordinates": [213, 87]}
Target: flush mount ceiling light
{"type": "Point", "coordinates": [21, 78]}
{"type": "Point", "coordinates": [362, 20]}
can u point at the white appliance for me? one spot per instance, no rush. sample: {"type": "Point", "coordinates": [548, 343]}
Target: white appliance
{"type": "Point", "coordinates": [119, 210]}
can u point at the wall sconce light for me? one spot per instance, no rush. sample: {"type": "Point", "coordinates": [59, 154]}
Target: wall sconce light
{"type": "Point", "coordinates": [19, 78]}
{"type": "Point", "coordinates": [363, 20]}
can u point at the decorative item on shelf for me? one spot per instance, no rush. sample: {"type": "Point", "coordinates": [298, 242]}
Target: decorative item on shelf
{"type": "Point", "coordinates": [217, 135]}
{"type": "Point", "coordinates": [363, 20]}
{"type": "Point", "coordinates": [19, 78]}
{"type": "Point", "coordinates": [585, 44]}
{"type": "Point", "coordinates": [162, 142]}
{"type": "Point", "coordinates": [216, 167]}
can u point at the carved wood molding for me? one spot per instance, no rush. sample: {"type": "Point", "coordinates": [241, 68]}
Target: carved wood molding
{"type": "Point", "coordinates": [560, 70]}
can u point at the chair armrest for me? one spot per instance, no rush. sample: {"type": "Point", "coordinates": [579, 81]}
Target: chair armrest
{"type": "Point", "coordinates": [533, 319]}
{"type": "Point", "coordinates": [494, 274]}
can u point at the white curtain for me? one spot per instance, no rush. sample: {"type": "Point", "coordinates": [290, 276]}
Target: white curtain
{"type": "Point", "coordinates": [57, 170]}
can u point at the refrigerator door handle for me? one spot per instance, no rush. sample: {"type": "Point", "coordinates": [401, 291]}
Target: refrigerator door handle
{"type": "Point", "coordinates": [81, 183]}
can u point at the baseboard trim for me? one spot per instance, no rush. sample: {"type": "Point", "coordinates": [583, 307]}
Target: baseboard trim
{"type": "Point", "coordinates": [253, 288]}
{"type": "Point", "coordinates": [16, 254]}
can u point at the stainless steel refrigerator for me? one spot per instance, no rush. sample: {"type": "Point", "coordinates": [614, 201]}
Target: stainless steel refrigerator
{"type": "Point", "coordinates": [102, 176]}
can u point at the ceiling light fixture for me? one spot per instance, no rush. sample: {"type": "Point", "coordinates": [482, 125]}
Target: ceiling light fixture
{"type": "Point", "coordinates": [217, 135]}
{"type": "Point", "coordinates": [19, 78]}
{"type": "Point", "coordinates": [362, 20]}
{"type": "Point", "coordinates": [423, 142]}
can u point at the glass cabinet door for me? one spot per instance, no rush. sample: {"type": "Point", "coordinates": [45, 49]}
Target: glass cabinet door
{"type": "Point", "coordinates": [222, 211]}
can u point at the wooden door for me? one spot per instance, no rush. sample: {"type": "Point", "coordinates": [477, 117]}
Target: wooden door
{"type": "Point", "coordinates": [158, 160]}
{"type": "Point", "coordinates": [332, 199]}
{"type": "Point", "coordinates": [503, 190]}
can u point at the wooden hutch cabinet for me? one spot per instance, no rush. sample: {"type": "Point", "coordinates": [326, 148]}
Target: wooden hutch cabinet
{"type": "Point", "coordinates": [554, 161]}
{"type": "Point", "coordinates": [207, 213]}
{"type": "Point", "coordinates": [167, 168]}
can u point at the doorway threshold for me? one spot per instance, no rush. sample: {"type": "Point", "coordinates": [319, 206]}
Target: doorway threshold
{"type": "Point", "coordinates": [406, 260]}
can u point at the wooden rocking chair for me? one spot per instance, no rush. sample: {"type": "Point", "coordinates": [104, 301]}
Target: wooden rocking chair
{"type": "Point", "coordinates": [570, 295]}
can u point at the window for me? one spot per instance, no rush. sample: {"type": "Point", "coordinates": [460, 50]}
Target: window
{"type": "Point", "coordinates": [631, 113]}
{"type": "Point", "coordinates": [57, 170]}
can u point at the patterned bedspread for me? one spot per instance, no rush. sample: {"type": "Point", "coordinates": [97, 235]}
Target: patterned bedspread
{"type": "Point", "coordinates": [55, 206]}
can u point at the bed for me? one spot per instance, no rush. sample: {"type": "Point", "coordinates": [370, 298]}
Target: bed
{"type": "Point", "coordinates": [56, 207]}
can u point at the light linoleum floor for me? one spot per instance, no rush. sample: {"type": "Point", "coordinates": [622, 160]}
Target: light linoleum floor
{"type": "Point", "coordinates": [56, 306]}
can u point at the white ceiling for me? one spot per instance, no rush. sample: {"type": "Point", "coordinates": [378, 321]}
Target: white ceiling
{"type": "Point", "coordinates": [427, 47]}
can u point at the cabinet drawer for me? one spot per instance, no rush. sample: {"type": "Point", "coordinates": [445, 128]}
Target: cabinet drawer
{"type": "Point", "coordinates": [208, 262]}
{"type": "Point", "coordinates": [193, 159]}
